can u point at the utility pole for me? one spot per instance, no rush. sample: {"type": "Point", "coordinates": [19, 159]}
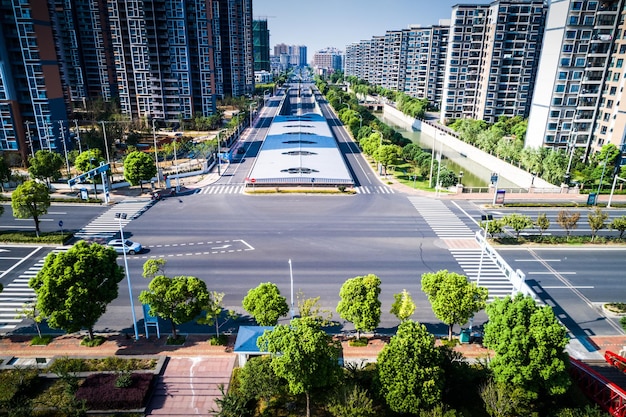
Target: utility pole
{"type": "Point", "coordinates": [80, 147]}
{"type": "Point", "coordinates": [67, 161]}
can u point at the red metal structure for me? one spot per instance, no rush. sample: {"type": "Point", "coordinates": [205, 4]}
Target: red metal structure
{"type": "Point", "coordinates": [605, 393]}
{"type": "Point", "coordinates": [615, 360]}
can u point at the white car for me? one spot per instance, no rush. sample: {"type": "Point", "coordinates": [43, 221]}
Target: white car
{"type": "Point", "coordinates": [127, 246]}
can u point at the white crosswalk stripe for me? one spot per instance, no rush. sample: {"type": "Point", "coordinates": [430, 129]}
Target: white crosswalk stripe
{"type": "Point", "coordinates": [107, 225]}
{"type": "Point", "coordinates": [448, 226]}
{"type": "Point", "coordinates": [374, 190]}
{"type": "Point", "coordinates": [17, 293]}
{"type": "Point", "coordinates": [222, 189]}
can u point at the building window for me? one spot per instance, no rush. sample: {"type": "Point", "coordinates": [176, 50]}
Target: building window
{"type": "Point", "coordinates": [574, 88]}
{"type": "Point", "coordinates": [555, 113]}
{"type": "Point", "coordinates": [560, 88]}
{"type": "Point", "coordinates": [552, 126]}
{"type": "Point", "coordinates": [562, 75]}
{"type": "Point", "coordinates": [620, 63]}
{"type": "Point", "coordinates": [565, 62]}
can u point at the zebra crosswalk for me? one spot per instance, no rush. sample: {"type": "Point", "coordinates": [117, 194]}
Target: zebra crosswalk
{"type": "Point", "coordinates": [221, 189]}
{"type": "Point", "coordinates": [374, 190]}
{"type": "Point", "coordinates": [107, 225]}
{"type": "Point", "coordinates": [461, 242]}
{"type": "Point", "coordinates": [17, 294]}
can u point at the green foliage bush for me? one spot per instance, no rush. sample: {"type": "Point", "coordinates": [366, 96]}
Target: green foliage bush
{"type": "Point", "coordinates": [358, 342]}
{"type": "Point", "coordinates": [41, 340]}
{"type": "Point", "coordinates": [96, 341]}
{"type": "Point", "coordinates": [30, 237]}
{"type": "Point", "coordinates": [176, 341]}
{"type": "Point", "coordinates": [110, 363]}
{"type": "Point", "coordinates": [221, 340]}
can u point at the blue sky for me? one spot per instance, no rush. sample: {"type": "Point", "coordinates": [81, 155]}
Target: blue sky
{"type": "Point", "coordinates": [321, 23]}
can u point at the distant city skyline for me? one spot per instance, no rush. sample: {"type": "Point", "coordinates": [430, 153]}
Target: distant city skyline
{"type": "Point", "coordinates": [332, 23]}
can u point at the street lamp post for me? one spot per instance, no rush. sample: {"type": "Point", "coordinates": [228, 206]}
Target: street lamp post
{"type": "Point", "coordinates": [80, 147]}
{"type": "Point", "coordinates": [250, 111]}
{"type": "Point", "coordinates": [219, 159]}
{"type": "Point", "coordinates": [30, 140]}
{"type": "Point", "coordinates": [460, 177]}
{"type": "Point", "coordinates": [291, 280]}
{"type": "Point", "coordinates": [176, 165]}
{"type": "Point", "coordinates": [156, 153]}
{"type": "Point", "coordinates": [608, 205]}
{"type": "Point", "coordinates": [120, 217]}
{"type": "Point", "coordinates": [67, 161]}
{"type": "Point", "coordinates": [360, 120]}
{"type": "Point", "coordinates": [495, 186]}
{"type": "Point", "coordinates": [106, 143]}
{"type": "Point", "coordinates": [602, 177]}
{"type": "Point", "coordinates": [432, 163]}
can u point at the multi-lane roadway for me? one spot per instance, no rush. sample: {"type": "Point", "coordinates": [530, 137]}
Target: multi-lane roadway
{"type": "Point", "coordinates": [235, 241]}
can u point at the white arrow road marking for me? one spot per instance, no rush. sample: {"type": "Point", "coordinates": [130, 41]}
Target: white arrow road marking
{"type": "Point", "coordinates": [221, 247]}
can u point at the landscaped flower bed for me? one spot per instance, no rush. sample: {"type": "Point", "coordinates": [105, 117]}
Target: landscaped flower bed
{"type": "Point", "coordinates": [100, 392]}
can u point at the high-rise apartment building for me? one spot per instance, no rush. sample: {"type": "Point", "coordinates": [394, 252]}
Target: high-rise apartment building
{"type": "Point", "coordinates": [493, 53]}
{"type": "Point", "coordinates": [425, 63]}
{"type": "Point", "coordinates": [610, 124]}
{"type": "Point", "coordinates": [577, 97]}
{"type": "Point", "coordinates": [261, 36]}
{"type": "Point", "coordinates": [162, 59]}
{"type": "Point", "coordinates": [410, 60]}
{"type": "Point", "coordinates": [235, 47]}
{"type": "Point", "coordinates": [328, 59]}
{"type": "Point", "coordinates": [291, 55]}
{"type": "Point", "coordinates": [32, 89]}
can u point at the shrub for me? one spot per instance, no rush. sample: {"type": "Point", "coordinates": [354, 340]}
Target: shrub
{"type": "Point", "coordinates": [176, 341]}
{"type": "Point", "coordinates": [358, 342]}
{"type": "Point", "coordinates": [221, 340]}
{"type": "Point", "coordinates": [96, 341]}
{"type": "Point", "coordinates": [124, 380]}
{"type": "Point", "coordinates": [100, 393]}
{"type": "Point", "coordinates": [41, 340]}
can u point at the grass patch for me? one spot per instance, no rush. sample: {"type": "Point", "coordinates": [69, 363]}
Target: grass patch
{"type": "Point", "coordinates": [176, 341]}
{"type": "Point", "coordinates": [41, 340]}
{"type": "Point", "coordinates": [557, 240]}
{"type": "Point", "coordinates": [110, 363]}
{"type": "Point", "coordinates": [358, 342]}
{"type": "Point", "coordinates": [31, 237]}
{"type": "Point", "coordinates": [618, 308]}
{"type": "Point", "coordinates": [96, 341]}
{"type": "Point", "coordinates": [298, 191]}
{"type": "Point", "coordinates": [221, 340]}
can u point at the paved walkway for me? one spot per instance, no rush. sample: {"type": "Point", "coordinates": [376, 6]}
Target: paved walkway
{"type": "Point", "coordinates": [190, 386]}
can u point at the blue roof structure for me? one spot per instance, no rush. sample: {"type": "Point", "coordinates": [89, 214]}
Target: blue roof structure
{"type": "Point", "coordinates": [247, 337]}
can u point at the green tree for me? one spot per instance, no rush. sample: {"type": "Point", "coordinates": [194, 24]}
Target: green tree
{"type": "Point", "coordinates": [529, 344]}
{"type": "Point", "coordinates": [257, 379]}
{"type": "Point", "coordinates": [213, 311]}
{"type": "Point", "coordinates": [453, 298]}
{"type": "Point", "coordinates": [304, 355]}
{"type": "Point", "coordinates": [139, 167]}
{"type": "Point", "coordinates": [409, 368]}
{"type": "Point", "coordinates": [30, 200]}
{"type": "Point", "coordinates": [619, 224]}
{"type": "Point", "coordinates": [359, 303]}
{"type": "Point", "coordinates": [387, 155]}
{"type": "Point", "coordinates": [29, 311]}
{"type": "Point", "coordinates": [568, 220]}
{"type": "Point", "coordinates": [542, 223]}
{"type": "Point", "coordinates": [45, 166]}
{"type": "Point", "coordinates": [517, 222]}
{"type": "Point", "coordinates": [74, 288]}
{"type": "Point", "coordinates": [597, 221]}
{"type": "Point", "coordinates": [5, 171]}
{"type": "Point", "coordinates": [265, 304]}
{"type": "Point", "coordinates": [177, 300]}
{"type": "Point", "coordinates": [310, 307]}
{"type": "Point", "coordinates": [88, 160]}
{"type": "Point", "coordinates": [403, 306]}
{"type": "Point", "coordinates": [500, 400]}
{"type": "Point", "coordinates": [354, 402]}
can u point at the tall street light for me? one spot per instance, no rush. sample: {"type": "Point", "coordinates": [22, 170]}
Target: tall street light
{"type": "Point", "coordinates": [67, 161]}
{"type": "Point", "coordinates": [432, 163]}
{"type": "Point", "coordinates": [291, 279]}
{"type": "Point", "coordinates": [106, 142]}
{"type": "Point", "coordinates": [380, 143]}
{"type": "Point", "coordinates": [120, 217]}
{"type": "Point", "coordinates": [30, 140]}
{"type": "Point", "coordinates": [176, 165]}
{"type": "Point", "coordinates": [156, 153]}
{"type": "Point", "coordinates": [219, 159]}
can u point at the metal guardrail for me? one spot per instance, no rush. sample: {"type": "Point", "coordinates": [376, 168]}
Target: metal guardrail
{"type": "Point", "coordinates": [517, 277]}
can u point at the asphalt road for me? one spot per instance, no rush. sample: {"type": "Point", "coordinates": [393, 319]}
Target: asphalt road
{"type": "Point", "coordinates": [73, 216]}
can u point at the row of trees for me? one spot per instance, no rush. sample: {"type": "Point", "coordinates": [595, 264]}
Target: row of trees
{"type": "Point", "coordinates": [505, 139]}
{"type": "Point", "coordinates": [413, 376]}
{"type": "Point", "coordinates": [567, 219]}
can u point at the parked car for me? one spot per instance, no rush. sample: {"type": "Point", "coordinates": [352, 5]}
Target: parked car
{"type": "Point", "coordinates": [127, 246]}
